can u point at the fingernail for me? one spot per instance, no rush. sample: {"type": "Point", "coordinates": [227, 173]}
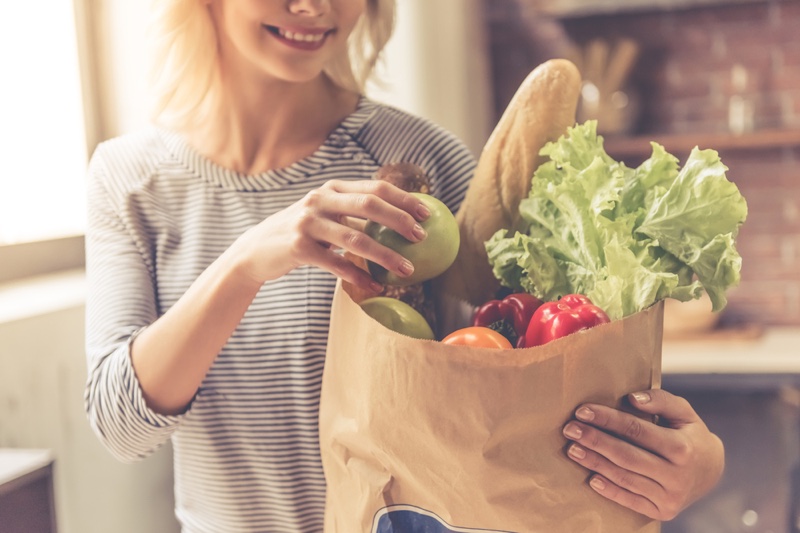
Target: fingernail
{"type": "Point", "coordinates": [597, 483]}
{"type": "Point", "coordinates": [576, 451]}
{"type": "Point", "coordinates": [422, 211]}
{"type": "Point", "coordinates": [641, 397]}
{"type": "Point", "coordinates": [375, 286]}
{"type": "Point", "coordinates": [419, 232]}
{"type": "Point", "coordinates": [406, 268]}
{"type": "Point", "coordinates": [572, 431]}
{"type": "Point", "coordinates": [584, 413]}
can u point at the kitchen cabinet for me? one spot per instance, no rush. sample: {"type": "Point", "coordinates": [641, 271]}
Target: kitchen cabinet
{"type": "Point", "coordinates": [580, 8]}
{"type": "Point", "coordinates": [637, 148]}
{"type": "Point", "coordinates": [26, 491]}
{"type": "Point", "coordinates": [748, 392]}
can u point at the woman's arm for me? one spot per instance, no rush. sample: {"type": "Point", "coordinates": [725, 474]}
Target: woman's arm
{"type": "Point", "coordinates": [657, 470]}
{"type": "Point", "coordinates": [172, 356]}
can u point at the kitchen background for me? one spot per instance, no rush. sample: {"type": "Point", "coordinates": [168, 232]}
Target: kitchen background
{"type": "Point", "coordinates": [719, 74]}
{"type": "Point", "coordinates": [724, 76]}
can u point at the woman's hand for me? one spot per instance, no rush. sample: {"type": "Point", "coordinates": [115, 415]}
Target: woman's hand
{"type": "Point", "coordinates": [656, 470]}
{"type": "Point", "coordinates": [328, 220]}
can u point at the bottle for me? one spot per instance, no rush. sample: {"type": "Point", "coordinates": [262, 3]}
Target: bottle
{"type": "Point", "coordinates": [740, 106]}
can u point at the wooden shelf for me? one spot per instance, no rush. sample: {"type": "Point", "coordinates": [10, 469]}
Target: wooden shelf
{"type": "Point", "coordinates": [680, 145]}
{"type": "Point", "coordinates": [566, 9]}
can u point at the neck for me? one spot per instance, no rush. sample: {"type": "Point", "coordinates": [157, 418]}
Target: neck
{"type": "Point", "coordinates": [270, 125]}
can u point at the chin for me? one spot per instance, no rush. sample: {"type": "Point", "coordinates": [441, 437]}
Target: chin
{"type": "Point", "coordinates": [301, 77]}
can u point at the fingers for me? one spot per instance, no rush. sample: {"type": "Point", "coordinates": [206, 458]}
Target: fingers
{"type": "Point", "coordinates": [388, 192]}
{"type": "Point", "coordinates": [673, 410]}
{"type": "Point", "coordinates": [334, 216]}
{"type": "Point", "coordinates": [354, 241]}
{"type": "Point", "coordinates": [625, 473]}
{"type": "Point", "coordinates": [600, 424]}
{"type": "Point", "coordinates": [378, 201]}
{"type": "Point", "coordinates": [343, 268]}
{"type": "Point", "coordinates": [624, 425]}
{"type": "Point", "coordinates": [626, 498]}
{"type": "Point", "coordinates": [621, 453]}
{"type": "Point", "coordinates": [624, 478]}
{"type": "Point", "coordinates": [654, 470]}
{"type": "Point", "coordinates": [331, 218]}
{"type": "Point", "coordinates": [353, 222]}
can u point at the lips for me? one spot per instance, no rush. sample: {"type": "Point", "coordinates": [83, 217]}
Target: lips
{"type": "Point", "coordinates": [300, 38]}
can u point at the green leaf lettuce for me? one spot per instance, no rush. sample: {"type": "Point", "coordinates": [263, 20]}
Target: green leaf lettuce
{"type": "Point", "coordinates": [626, 238]}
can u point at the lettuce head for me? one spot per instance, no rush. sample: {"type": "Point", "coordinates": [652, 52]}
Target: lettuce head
{"type": "Point", "coordinates": [626, 238]}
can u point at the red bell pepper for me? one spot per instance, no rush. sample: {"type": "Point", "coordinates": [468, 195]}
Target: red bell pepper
{"type": "Point", "coordinates": [552, 320]}
{"type": "Point", "coordinates": [509, 316]}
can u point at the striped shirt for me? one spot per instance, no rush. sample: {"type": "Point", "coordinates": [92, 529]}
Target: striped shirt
{"type": "Point", "coordinates": [246, 453]}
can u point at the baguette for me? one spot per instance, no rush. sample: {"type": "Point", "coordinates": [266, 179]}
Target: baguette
{"type": "Point", "coordinates": [541, 110]}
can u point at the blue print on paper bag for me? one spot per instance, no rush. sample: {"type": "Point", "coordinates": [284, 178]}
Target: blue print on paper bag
{"type": "Point", "coordinates": [410, 519]}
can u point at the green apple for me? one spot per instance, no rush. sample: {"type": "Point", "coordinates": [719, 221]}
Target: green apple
{"type": "Point", "coordinates": [398, 316]}
{"type": "Point", "coordinates": [431, 256]}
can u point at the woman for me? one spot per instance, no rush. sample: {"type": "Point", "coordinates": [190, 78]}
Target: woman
{"type": "Point", "coordinates": [214, 244]}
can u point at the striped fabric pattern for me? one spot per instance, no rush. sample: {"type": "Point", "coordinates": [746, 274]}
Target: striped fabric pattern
{"type": "Point", "coordinates": [246, 453]}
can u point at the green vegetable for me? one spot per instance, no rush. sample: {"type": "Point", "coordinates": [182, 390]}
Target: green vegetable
{"type": "Point", "coordinates": [398, 316]}
{"type": "Point", "coordinates": [626, 238]}
{"type": "Point", "coordinates": [431, 256]}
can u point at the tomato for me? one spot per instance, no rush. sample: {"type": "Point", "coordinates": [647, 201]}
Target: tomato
{"type": "Point", "coordinates": [398, 316]}
{"type": "Point", "coordinates": [431, 256]}
{"type": "Point", "coordinates": [479, 336]}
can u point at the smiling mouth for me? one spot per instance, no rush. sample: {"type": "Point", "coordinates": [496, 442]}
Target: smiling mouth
{"type": "Point", "coordinates": [308, 41]}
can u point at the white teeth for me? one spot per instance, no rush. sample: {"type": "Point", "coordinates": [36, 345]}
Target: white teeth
{"type": "Point", "coordinates": [307, 37]}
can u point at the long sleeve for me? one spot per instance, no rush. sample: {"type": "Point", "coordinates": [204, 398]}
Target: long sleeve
{"type": "Point", "coordinates": [120, 303]}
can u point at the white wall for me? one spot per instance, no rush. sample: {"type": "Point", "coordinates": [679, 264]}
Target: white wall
{"type": "Point", "coordinates": [42, 377]}
{"type": "Point", "coordinates": [437, 66]}
{"type": "Point", "coordinates": [122, 65]}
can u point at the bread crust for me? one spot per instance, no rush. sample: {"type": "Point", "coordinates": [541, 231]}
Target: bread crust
{"type": "Point", "coordinates": [541, 110]}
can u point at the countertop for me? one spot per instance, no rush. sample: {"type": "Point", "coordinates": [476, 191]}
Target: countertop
{"type": "Point", "coordinates": [761, 358]}
{"type": "Point", "coordinates": [769, 351]}
{"type": "Point", "coordinates": [17, 464]}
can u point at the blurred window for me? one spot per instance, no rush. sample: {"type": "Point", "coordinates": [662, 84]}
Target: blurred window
{"type": "Point", "coordinates": [42, 130]}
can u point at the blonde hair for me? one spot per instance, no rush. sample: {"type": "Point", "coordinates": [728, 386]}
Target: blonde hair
{"type": "Point", "coordinates": [185, 67]}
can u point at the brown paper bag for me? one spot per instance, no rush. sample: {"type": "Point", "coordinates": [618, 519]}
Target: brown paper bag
{"type": "Point", "coordinates": [418, 436]}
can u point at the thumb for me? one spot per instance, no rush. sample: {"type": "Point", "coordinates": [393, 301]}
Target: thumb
{"type": "Point", "coordinates": [672, 410]}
